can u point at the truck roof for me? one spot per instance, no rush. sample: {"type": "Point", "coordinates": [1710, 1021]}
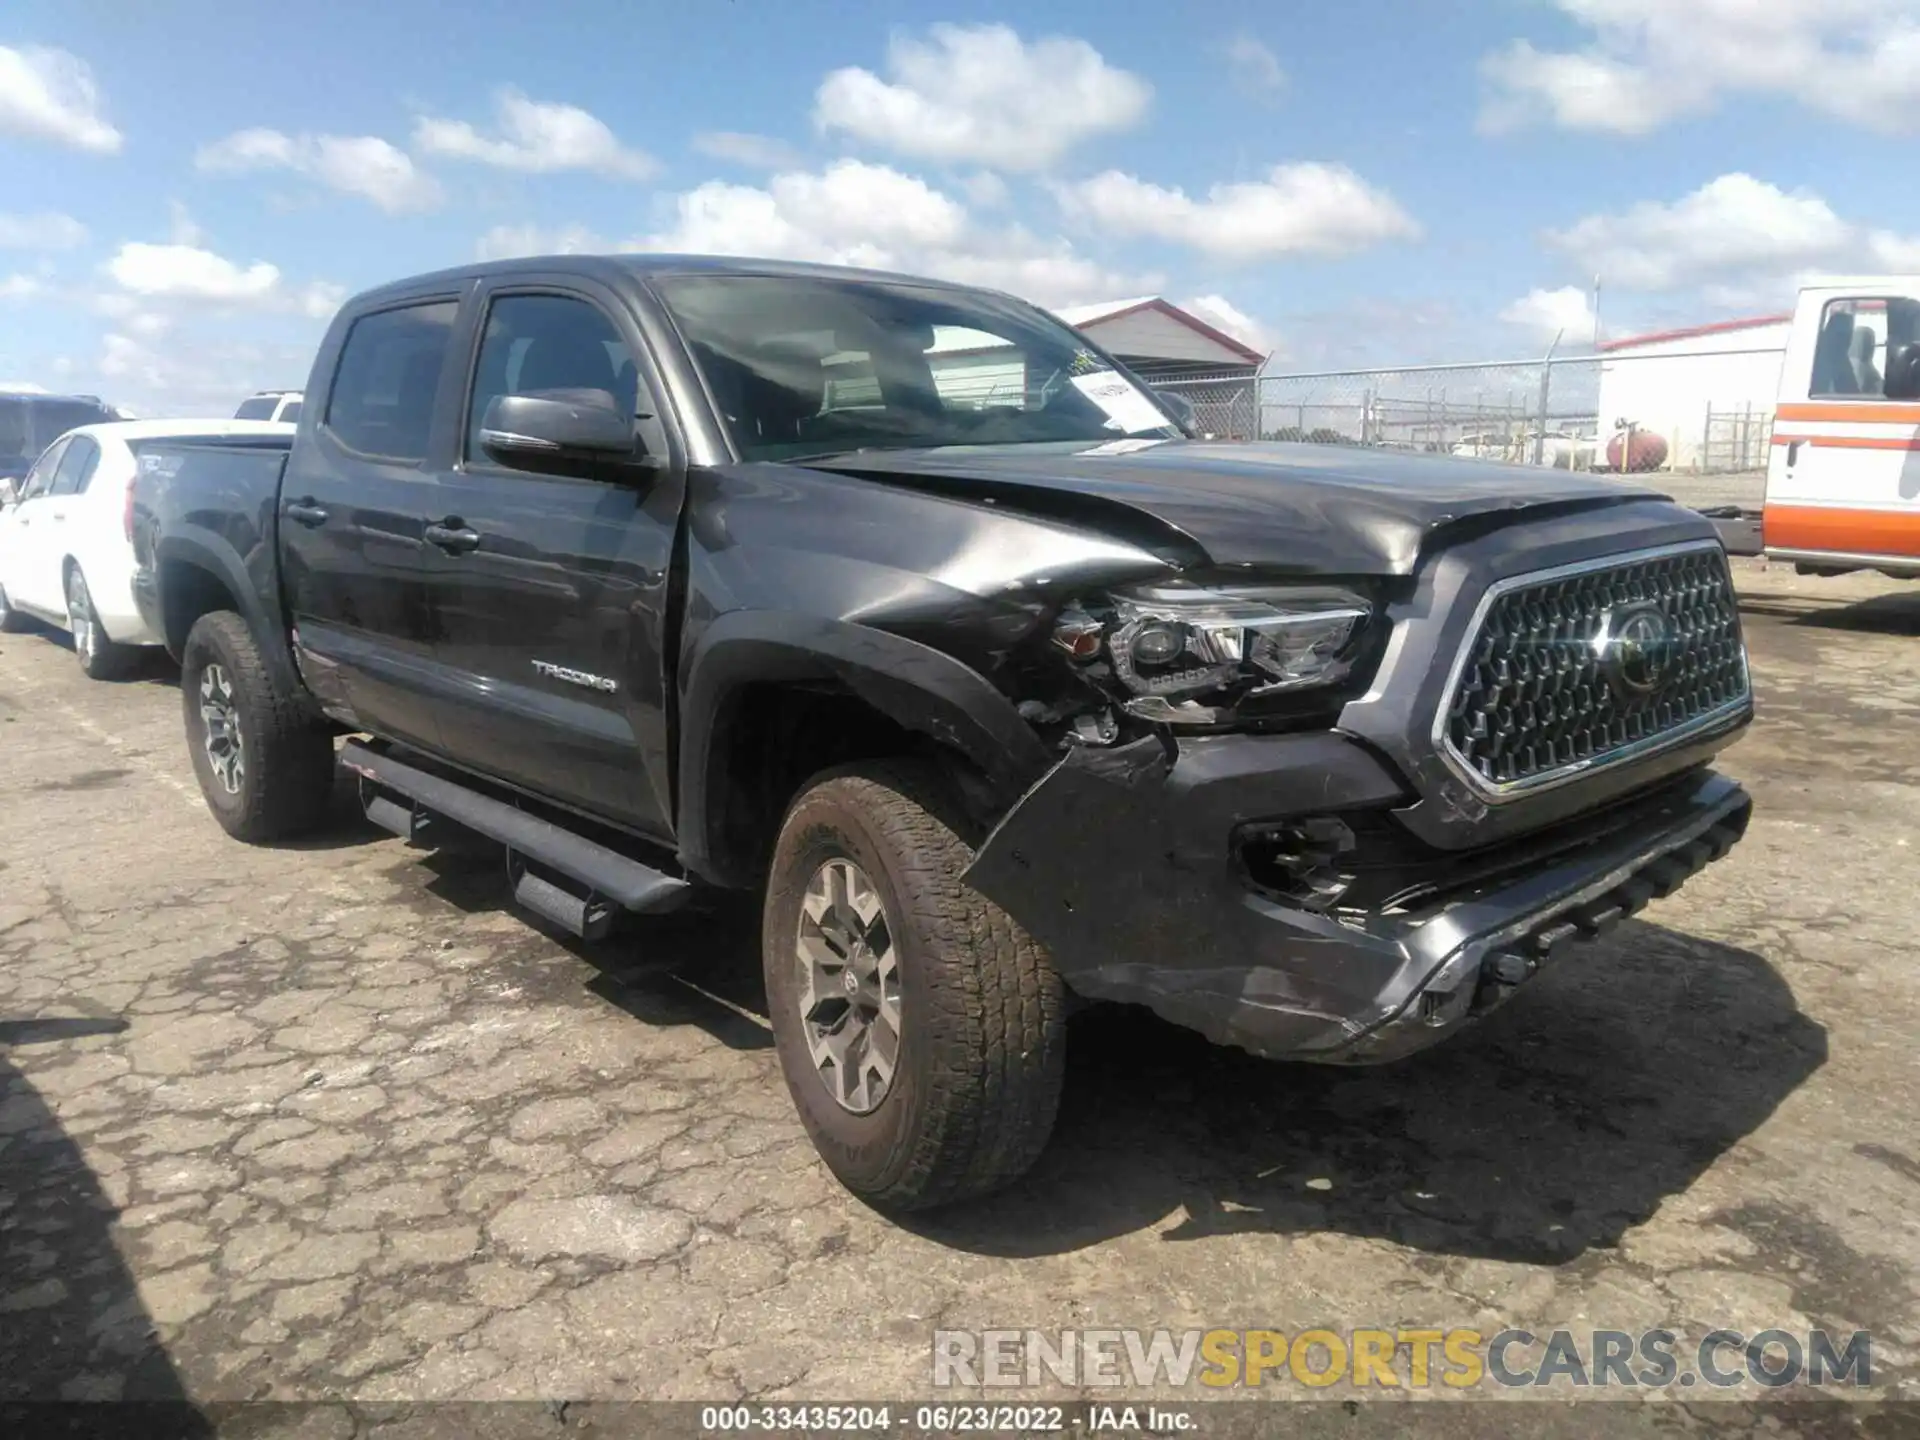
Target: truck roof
{"type": "Point", "coordinates": [615, 269]}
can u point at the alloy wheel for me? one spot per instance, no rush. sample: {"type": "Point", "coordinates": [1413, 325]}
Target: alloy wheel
{"type": "Point", "coordinates": [220, 726]}
{"type": "Point", "coordinates": [849, 985]}
{"type": "Point", "coordinates": [86, 633]}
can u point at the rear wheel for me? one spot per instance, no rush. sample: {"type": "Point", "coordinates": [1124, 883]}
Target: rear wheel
{"type": "Point", "coordinates": [920, 1029]}
{"type": "Point", "coordinates": [265, 768]}
{"type": "Point", "coordinates": [98, 656]}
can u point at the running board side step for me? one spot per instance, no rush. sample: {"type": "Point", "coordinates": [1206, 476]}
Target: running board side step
{"type": "Point", "coordinates": [612, 880]}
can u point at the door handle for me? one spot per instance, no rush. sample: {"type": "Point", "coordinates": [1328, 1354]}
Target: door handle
{"type": "Point", "coordinates": [306, 512]}
{"type": "Point", "coordinates": [453, 537]}
{"type": "Point", "coordinates": [1793, 452]}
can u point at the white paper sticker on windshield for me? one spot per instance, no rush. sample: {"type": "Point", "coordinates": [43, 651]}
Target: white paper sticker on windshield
{"type": "Point", "coordinates": [1127, 409]}
{"type": "Point", "coordinates": [1122, 447]}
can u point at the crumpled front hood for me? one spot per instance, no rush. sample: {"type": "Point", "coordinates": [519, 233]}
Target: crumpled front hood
{"type": "Point", "coordinates": [1314, 509]}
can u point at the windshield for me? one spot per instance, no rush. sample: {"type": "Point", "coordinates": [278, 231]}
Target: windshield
{"type": "Point", "coordinates": [805, 367]}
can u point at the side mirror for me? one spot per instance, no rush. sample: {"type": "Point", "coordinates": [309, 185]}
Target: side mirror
{"type": "Point", "coordinates": [1180, 407]}
{"type": "Point", "coordinates": [546, 431]}
{"type": "Point", "coordinates": [1903, 373]}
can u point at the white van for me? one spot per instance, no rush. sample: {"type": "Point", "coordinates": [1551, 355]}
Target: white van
{"type": "Point", "coordinates": [1843, 478]}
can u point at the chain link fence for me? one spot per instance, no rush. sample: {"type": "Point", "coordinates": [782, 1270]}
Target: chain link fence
{"type": "Point", "coordinates": [1224, 406]}
{"type": "Point", "coordinates": [1703, 413]}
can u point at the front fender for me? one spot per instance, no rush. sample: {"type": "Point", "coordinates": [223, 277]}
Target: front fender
{"type": "Point", "coordinates": [914, 685]}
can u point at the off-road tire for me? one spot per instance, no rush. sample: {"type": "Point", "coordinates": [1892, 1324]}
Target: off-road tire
{"type": "Point", "coordinates": [100, 658]}
{"type": "Point", "coordinates": [287, 779]}
{"type": "Point", "coordinates": [977, 1081]}
{"type": "Point", "coordinates": [12, 621]}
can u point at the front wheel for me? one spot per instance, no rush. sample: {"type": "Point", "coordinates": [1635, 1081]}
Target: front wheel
{"type": "Point", "coordinates": [919, 1028]}
{"type": "Point", "coordinates": [265, 768]}
{"type": "Point", "coordinates": [99, 657]}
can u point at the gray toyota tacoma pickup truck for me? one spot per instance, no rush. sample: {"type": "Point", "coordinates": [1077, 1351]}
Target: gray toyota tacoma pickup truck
{"type": "Point", "coordinates": [907, 607]}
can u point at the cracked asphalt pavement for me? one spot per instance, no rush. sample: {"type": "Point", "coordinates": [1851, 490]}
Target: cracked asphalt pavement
{"type": "Point", "coordinates": [332, 1121]}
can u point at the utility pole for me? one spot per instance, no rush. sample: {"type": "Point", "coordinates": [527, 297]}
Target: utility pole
{"type": "Point", "coordinates": [1596, 312]}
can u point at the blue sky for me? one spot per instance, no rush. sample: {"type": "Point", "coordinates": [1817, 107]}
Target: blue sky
{"type": "Point", "coordinates": [187, 189]}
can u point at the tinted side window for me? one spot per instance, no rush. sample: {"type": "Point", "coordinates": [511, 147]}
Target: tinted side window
{"type": "Point", "coordinates": [76, 467]}
{"type": "Point", "coordinates": [291, 413]}
{"type": "Point", "coordinates": [389, 374]}
{"type": "Point", "coordinates": [260, 407]}
{"type": "Point", "coordinates": [16, 444]}
{"type": "Point", "coordinates": [41, 475]}
{"type": "Point", "coordinates": [537, 343]}
{"type": "Point", "coordinates": [54, 418]}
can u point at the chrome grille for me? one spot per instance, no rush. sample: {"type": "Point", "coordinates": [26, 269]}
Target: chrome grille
{"type": "Point", "coordinates": [1546, 689]}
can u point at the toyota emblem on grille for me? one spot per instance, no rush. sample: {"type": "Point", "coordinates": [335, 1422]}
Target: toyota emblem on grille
{"type": "Point", "coordinates": [1635, 647]}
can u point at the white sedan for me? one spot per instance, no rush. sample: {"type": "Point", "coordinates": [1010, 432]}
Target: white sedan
{"type": "Point", "coordinates": [66, 537]}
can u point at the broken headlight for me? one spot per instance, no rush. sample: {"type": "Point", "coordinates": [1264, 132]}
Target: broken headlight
{"type": "Point", "coordinates": [1171, 646]}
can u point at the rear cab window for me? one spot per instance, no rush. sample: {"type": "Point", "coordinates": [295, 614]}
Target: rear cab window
{"type": "Point", "coordinates": [54, 418]}
{"type": "Point", "coordinates": [388, 378]}
{"type": "Point", "coordinates": [260, 407]}
{"type": "Point", "coordinates": [30, 423]}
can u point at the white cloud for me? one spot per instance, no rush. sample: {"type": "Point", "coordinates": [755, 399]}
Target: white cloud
{"type": "Point", "coordinates": [853, 213]}
{"type": "Point", "coordinates": [44, 230]}
{"type": "Point", "coordinates": [1307, 208]}
{"type": "Point", "coordinates": [20, 287]}
{"type": "Point", "coordinates": [1888, 251]}
{"type": "Point", "coordinates": [755, 152]}
{"type": "Point", "coordinates": [121, 356]}
{"type": "Point", "coordinates": [320, 299]}
{"type": "Point", "coordinates": [149, 324]}
{"type": "Point", "coordinates": [362, 165]}
{"type": "Point", "coordinates": [1649, 61]}
{"type": "Point", "coordinates": [1737, 243]}
{"type": "Point", "coordinates": [1544, 315]}
{"type": "Point", "coordinates": [188, 273]}
{"type": "Point", "coordinates": [50, 95]}
{"type": "Point", "coordinates": [182, 229]}
{"type": "Point", "coordinates": [981, 94]}
{"type": "Point", "coordinates": [1254, 68]}
{"type": "Point", "coordinates": [155, 367]}
{"type": "Point", "coordinates": [510, 242]}
{"type": "Point", "coordinates": [536, 136]}
{"type": "Point", "coordinates": [22, 387]}
{"type": "Point", "coordinates": [986, 189]}
{"type": "Point", "coordinates": [1223, 314]}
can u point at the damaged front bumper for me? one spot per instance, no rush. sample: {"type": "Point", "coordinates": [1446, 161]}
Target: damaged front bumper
{"type": "Point", "coordinates": [1128, 865]}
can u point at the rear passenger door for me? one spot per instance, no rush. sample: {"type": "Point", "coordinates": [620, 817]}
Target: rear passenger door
{"type": "Point", "coordinates": [550, 590]}
{"type": "Point", "coordinates": [25, 531]}
{"type": "Point", "coordinates": [62, 521]}
{"type": "Point", "coordinates": [354, 500]}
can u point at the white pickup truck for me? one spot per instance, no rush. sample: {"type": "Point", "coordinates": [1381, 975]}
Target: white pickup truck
{"type": "Point", "coordinates": [1843, 478]}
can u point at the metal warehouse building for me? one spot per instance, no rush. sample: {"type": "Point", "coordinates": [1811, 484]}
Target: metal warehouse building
{"type": "Point", "coordinates": [1158, 341]}
{"type": "Point", "coordinates": [1165, 345]}
{"type": "Point", "coordinates": [1708, 391]}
